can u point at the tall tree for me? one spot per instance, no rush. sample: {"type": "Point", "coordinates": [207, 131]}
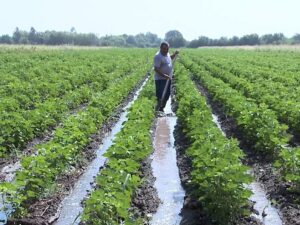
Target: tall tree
{"type": "Point", "coordinates": [5, 39]}
{"type": "Point", "coordinates": [296, 39]}
{"type": "Point", "coordinates": [175, 39]}
{"type": "Point", "coordinates": [16, 36]}
{"type": "Point", "coordinates": [32, 36]}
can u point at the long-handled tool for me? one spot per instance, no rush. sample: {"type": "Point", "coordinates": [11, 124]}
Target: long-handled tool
{"type": "Point", "coordinates": [167, 84]}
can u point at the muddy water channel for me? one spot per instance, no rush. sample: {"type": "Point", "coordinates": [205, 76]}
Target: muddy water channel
{"type": "Point", "coordinates": [165, 170]}
{"type": "Point", "coordinates": [268, 215]}
{"type": "Point", "coordinates": [265, 212]}
{"type": "Point", "coordinates": [71, 208]}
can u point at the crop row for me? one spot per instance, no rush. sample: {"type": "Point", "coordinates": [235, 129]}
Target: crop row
{"type": "Point", "coordinates": [258, 124]}
{"type": "Point", "coordinates": [110, 202]}
{"type": "Point", "coordinates": [32, 78]}
{"type": "Point", "coordinates": [39, 172]}
{"type": "Point", "coordinates": [284, 80]}
{"type": "Point", "coordinates": [218, 177]}
{"type": "Point", "coordinates": [276, 98]}
{"type": "Point", "coordinates": [268, 61]}
{"type": "Point", "coordinates": [20, 125]}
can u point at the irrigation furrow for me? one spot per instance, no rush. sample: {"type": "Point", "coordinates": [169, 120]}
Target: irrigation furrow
{"type": "Point", "coordinates": [43, 209]}
{"type": "Point", "coordinates": [265, 212]}
{"type": "Point", "coordinates": [165, 170]}
{"type": "Point", "coordinates": [71, 207]}
{"type": "Point", "coordinates": [13, 164]}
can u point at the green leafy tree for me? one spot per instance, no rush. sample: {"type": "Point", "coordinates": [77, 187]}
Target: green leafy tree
{"type": "Point", "coordinates": [277, 38]}
{"type": "Point", "coordinates": [296, 39]}
{"type": "Point", "coordinates": [175, 39]}
{"type": "Point", "coordinates": [6, 39]}
{"type": "Point", "coordinates": [32, 36]}
{"type": "Point", "coordinates": [16, 36]}
{"type": "Point", "coordinates": [250, 39]}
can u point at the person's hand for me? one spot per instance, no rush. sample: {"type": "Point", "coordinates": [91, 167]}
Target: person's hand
{"type": "Point", "coordinates": [167, 76]}
{"type": "Point", "coordinates": [176, 52]}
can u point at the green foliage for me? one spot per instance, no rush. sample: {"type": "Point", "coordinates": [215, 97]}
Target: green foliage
{"type": "Point", "coordinates": [260, 90]}
{"type": "Point", "coordinates": [39, 171]}
{"type": "Point", "coordinates": [218, 177]}
{"type": "Point", "coordinates": [289, 165]}
{"type": "Point", "coordinates": [109, 203]}
{"type": "Point", "coordinates": [258, 123]}
{"type": "Point", "coordinates": [35, 98]}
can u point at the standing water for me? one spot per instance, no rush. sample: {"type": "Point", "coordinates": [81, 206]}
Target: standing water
{"type": "Point", "coordinates": [267, 214]}
{"type": "Point", "coordinates": [165, 170]}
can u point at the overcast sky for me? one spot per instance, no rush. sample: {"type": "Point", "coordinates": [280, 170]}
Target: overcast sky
{"type": "Point", "coordinates": [212, 18]}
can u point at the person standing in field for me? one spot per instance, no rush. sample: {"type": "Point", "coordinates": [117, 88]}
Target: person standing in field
{"type": "Point", "coordinates": [163, 71]}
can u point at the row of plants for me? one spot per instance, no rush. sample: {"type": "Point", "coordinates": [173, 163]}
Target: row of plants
{"type": "Point", "coordinates": [38, 174]}
{"type": "Point", "coordinates": [284, 81]}
{"type": "Point", "coordinates": [278, 61]}
{"type": "Point", "coordinates": [267, 60]}
{"type": "Point", "coordinates": [110, 202]}
{"type": "Point", "coordinates": [239, 66]}
{"type": "Point", "coordinates": [277, 99]}
{"type": "Point", "coordinates": [218, 177]}
{"type": "Point", "coordinates": [258, 124]}
{"type": "Point", "coordinates": [31, 78]}
{"type": "Point", "coordinates": [21, 125]}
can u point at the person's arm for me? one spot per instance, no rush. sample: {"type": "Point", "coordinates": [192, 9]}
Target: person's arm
{"type": "Point", "coordinates": [174, 54]}
{"type": "Point", "coordinates": [158, 71]}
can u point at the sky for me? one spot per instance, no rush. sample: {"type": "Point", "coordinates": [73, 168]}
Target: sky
{"type": "Point", "coordinates": [193, 18]}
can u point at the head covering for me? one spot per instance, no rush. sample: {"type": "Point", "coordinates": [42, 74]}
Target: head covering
{"type": "Point", "coordinates": [164, 43]}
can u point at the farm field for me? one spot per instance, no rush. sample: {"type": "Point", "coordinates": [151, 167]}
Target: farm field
{"type": "Point", "coordinates": [233, 125]}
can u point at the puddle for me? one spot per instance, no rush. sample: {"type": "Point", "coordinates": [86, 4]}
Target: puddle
{"type": "Point", "coordinates": [7, 210]}
{"type": "Point", "coordinates": [268, 215]}
{"type": "Point", "coordinates": [215, 119]}
{"type": "Point", "coordinates": [3, 215]}
{"type": "Point", "coordinates": [9, 171]}
{"type": "Point", "coordinates": [165, 170]}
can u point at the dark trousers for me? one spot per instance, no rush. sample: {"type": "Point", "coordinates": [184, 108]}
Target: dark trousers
{"type": "Point", "coordinates": [159, 87]}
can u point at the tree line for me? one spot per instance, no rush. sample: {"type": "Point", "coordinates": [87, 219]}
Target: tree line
{"type": "Point", "coordinates": [174, 37]}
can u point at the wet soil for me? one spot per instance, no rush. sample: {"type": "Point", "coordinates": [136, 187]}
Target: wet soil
{"type": "Point", "coordinates": [165, 168]}
{"type": "Point", "coordinates": [145, 200]}
{"type": "Point", "coordinates": [46, 210]}
{"type": "Point", "coordinates": [281, 193]}
{"type": "Point", "coordinates": [11, 163]}
{"type": "Point", "coordinates": [191, 212]}
{"type": "Point", "coordinates": [8, 166]}
{"type": "Point", "coordinates": [287, 202]}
